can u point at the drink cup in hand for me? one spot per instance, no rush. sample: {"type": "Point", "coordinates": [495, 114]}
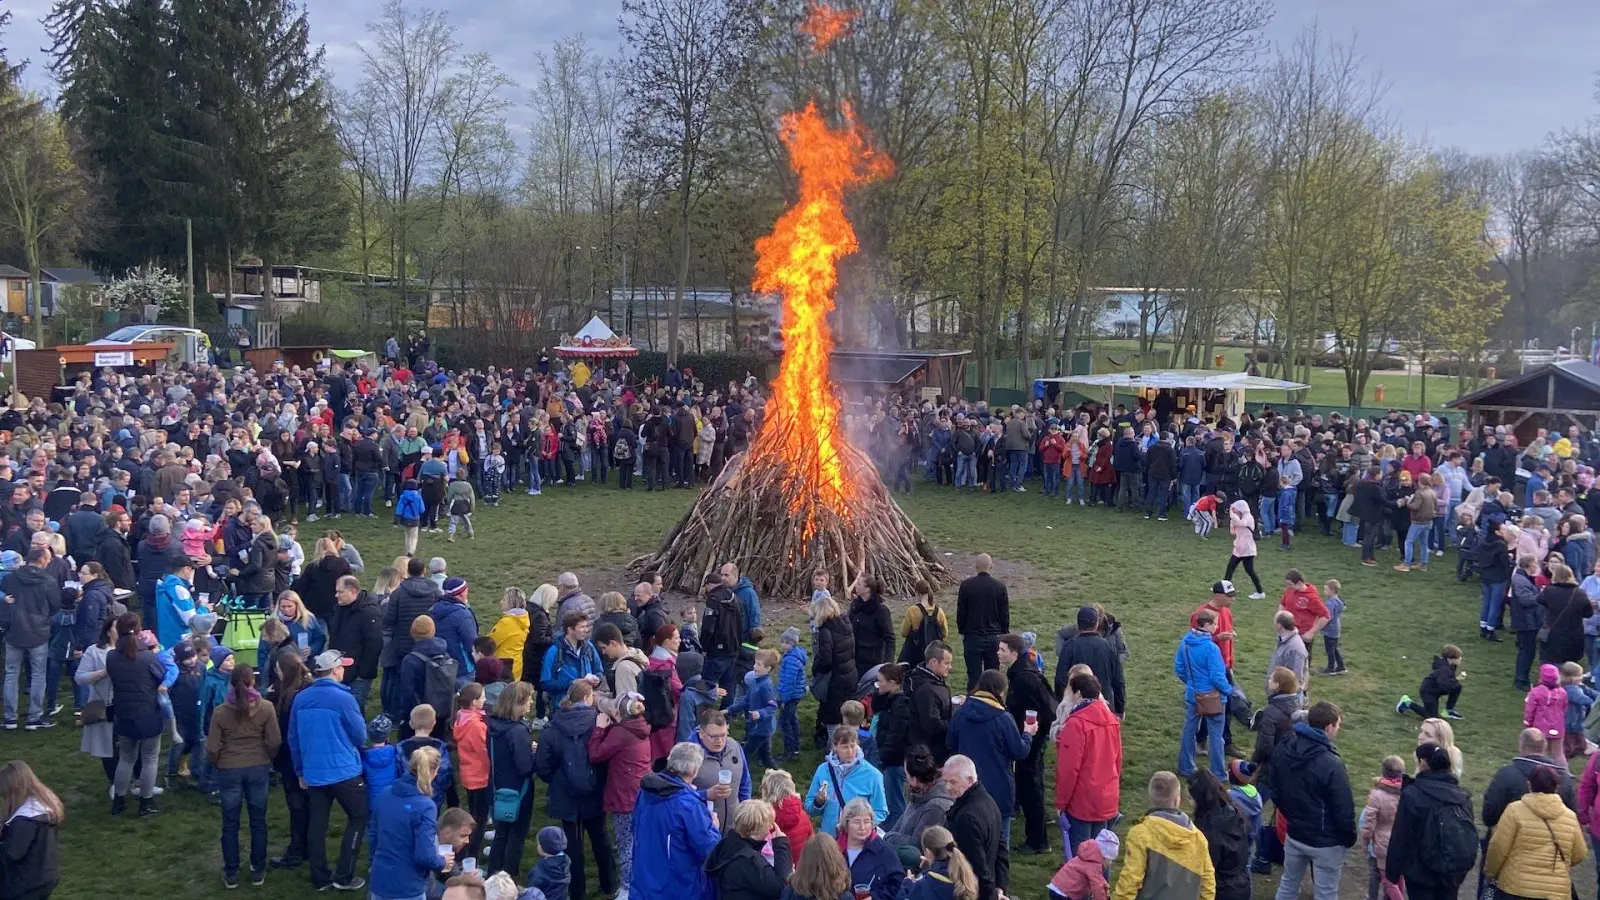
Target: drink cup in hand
{"type": "Point", "coordinates": [448, 855]}
{"type": "Point", "coordinates": [469, 865]}
{"type": "Point", "coordinates": [1031, 717]}
{"type": "Point", "coordinates": [724, 777]}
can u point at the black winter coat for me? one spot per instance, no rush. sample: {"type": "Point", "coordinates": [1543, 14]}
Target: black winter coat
{"type": "Point", "coordinates": [113, 554]}
{"type": "Point", "coordinates": [318, 585]}
{"type": "Point", "coordinates": [1102, 659]}
{"type": "Point", "coordinates": [874, 632]}
{"type": "Point", "coordinates": [357, 632]}
{"type": "Point", "coordinates": [1511, 782]}
{"type": "Point", "coordinates": [975, 824]}
{"type": "Point", "coordinates": [1441, 681]}
{"type": "Point", "coordinates": [1566, 606]}
{"type": "Point", "coordinates": [411, 598]}
{"type": "Point", "coordinates": [1227, 832]}
{"type": "Point", "coordinates": [930, 711]}
{"type": "Point", "coordinates": [1312, 789]}
{"type": "Point", "coordinates": [30, 858]}
{"type": "Point", "coordinates": [740, 872]}
{"type": "Point", "coordinates": [1422, 798]}
{"type": "Point", "coordinates": [256, 574]}
{"type": "Point", "coordinates": [894, 726]}
{"type": "Point", "coordinates": [1160, 462]}
{"type": "Point", "coordinates": [36, 598]}
{"type": "Point", "coordinates": [1026, 691]}
{"type": "Point", "coordinates": [564, 754]}
{"type": "Point", "coordinates": [538, 643]}
{"type": "Point", "coordinates": [157, 555]}
{"type": "Point", "coordinates": [651, 617]}
{"type": "Point", "coordinates": [835, 656]}
{"type": "Point", "coordinates": [1277, 720]}
{"type": "Point", "coordinates": [982, 606]}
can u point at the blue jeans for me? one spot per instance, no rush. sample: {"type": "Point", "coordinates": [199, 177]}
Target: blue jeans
{"type": "Point", "coordinates": [894, 790]}
{"type": "Point", "coordinates": [1052, 480]}
{"type": "Point", "coordinates": [1156, 499]}
{"type": "Point", "coordinates": [1286, 506]}
{"type": "Point", "coordinates": [966, 470]}
{"type": "Point", "coordinates": [1268, 506]}
{"type": "Point", "coordinates": [37, 664]}
{"type": "Point", "coordinates": [366, 485]}
{"type": "Point", "coordinates": [1074, 832]}
{"type": "Point", "coordinates": [346, 491]}
{"type": "Point", "coordinates": [1417, 543]}
{"type": "Point", "coordinates": [1191, 494]}
{"type": "Point", "coordinates": [1437, 539]}
{"type": "Point", "coordinates": [1351, 531]}
{"type": "Point", "coordinates": [1019, 468]}
{"type": "Point", "coordinates": [789, 725]}
{"type": "Point", "coordinates": [534, 469]}
{"type": "Point", "coordinates": [1077, 488]}
{"type": "Point", "coordinates": [52, 684]}
{"type": "Point", "coordinates": [245, 787]}
{"type": "Point", "coordinates": [1494, 597]}
{"type": "Point", "coordinates": [1324, 863]}
{"type": "Point", "coordinates": [1214, 745]}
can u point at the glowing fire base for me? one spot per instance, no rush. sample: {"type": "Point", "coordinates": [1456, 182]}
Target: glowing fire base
{"type": "Point", "coordinates": [767, 517]}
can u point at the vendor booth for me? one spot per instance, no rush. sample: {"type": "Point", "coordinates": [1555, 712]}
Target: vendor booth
{"type": "Point", "coordinates": [1212, 393]}
{"type": "Point", "coordinates": [595, 340]}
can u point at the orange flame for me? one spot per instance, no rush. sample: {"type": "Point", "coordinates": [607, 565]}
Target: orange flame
{"type": "Point", "coordinates": [825, 24]}
{"type": "Point", "coordinates": [799, 259]}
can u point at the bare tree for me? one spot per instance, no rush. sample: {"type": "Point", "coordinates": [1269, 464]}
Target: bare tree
{"type": "Point", "coordinates": [1532, 201]}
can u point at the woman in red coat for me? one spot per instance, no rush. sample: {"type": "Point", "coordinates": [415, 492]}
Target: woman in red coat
{"type": "Point", "coordinates": [625, 745]}
{"type": "Point", "coordinates": [664, 659]}
{"type": "Point", "coordinates": [1102, 477]}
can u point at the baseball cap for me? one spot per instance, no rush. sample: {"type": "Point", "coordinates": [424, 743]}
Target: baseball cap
{"type": "Point", "coordinates": [328, 660]}
{"type": "Point", "coordinates": [1224, 587]}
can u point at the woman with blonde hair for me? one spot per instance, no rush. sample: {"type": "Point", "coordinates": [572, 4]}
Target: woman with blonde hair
{"type": "Point", "coordinates": [944, 873]}
{"type": "Point", "coordinates": [318, 584]}
{"type": "Point", "coordinates": [30, 851]}
{"type": "Point", "coordinates": [1439, 732]}
{"type": "Point", "coordinates": [1565, 608]}
{"type": "Point", "coordinates": [405, 833]}
{"type": "Point", "coordinates": [388, 580]}
{"type": "Point", "coordinates": [510, 631]}
{"type": "Point", "coordinates": [833, 662]}
{"type": "Point", "coordinates": [822, 873]}
{"type": "Point", "coordinates": [614, 611]}
{"type": "Point", "coordinates": [737, 867]}
{"type": "Point", "coordinates": [292, 612]}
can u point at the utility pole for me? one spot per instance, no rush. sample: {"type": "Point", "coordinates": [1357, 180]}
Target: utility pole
{"type": "Point", "coordinates": [188, 281]}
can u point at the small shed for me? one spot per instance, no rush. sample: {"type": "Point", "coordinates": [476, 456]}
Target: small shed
{"type": "Point", "coordinates": [1552, 397]}
{"type": "Point", "coordinates": [914, 374]}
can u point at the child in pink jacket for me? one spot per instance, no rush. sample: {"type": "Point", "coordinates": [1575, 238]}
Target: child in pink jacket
{"type": "Point", "coordinates": [1546, 709]}
{"type": "Point", "coordinates": [1377, 824]}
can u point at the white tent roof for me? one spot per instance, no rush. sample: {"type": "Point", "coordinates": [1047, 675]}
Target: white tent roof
{"type": "Point", "coordinates": [1182, 378]}
{"type": "Point", "coordinates": [596, 339]}
{"type": "Point", "coordinates": [596, 330]}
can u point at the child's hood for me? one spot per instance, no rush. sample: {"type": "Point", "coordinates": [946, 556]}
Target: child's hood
{"type": "Point", "coordinates": [1388, 785]}
{"type": "Point", "coordinates": [1549, 675]}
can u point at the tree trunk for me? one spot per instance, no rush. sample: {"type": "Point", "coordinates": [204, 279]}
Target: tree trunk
{"type": "Point", "coordinates": [33, 291]}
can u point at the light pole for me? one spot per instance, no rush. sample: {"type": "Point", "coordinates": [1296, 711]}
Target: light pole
{"type": "Point", "coordinates": [1572, 345]}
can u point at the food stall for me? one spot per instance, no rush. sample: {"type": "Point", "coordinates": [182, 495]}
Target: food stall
{"type": "Point", "coordinates": [1211, 392]}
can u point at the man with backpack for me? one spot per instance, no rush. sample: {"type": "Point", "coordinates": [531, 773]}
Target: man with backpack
{"type": "Point", "coordinates": [454, 622]}
{"type": "Point", "coordinates": [721, 632]}
{"type": "Point", "coordinates": [626, 663]}
{"type": "Point", "coordinates": [1311, 789]}
{"type": "Point", "coordinates": [570, 658]}
{"type": "Point", "coordinates": [428, 675]}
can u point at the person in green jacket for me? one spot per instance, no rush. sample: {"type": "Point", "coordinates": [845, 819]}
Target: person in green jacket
{"type": "Point", "coordinates": [459, 500]}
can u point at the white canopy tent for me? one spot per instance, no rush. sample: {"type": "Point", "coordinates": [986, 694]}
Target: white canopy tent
{"type": "Point", "coordinates": [596, 340]}
{"type": "Point", "coordinates": [1192, 386]}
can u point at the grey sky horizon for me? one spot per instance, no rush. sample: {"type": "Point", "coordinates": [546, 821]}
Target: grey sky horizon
{"type": "Point", "coordinates": [1485, 76]}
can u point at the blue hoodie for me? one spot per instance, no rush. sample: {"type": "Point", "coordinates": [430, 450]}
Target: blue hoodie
{"type": "Point", "coordinates": [405, 841]}
{"type": "Point", "coordinates": [761, 697]}
{"type": "Point", "coordinates": [697, 694]}
{"type": "Point", "coordinates": [326, 733]}
{"type": "Point", "coordinates": [673, 817]}
{"type": "Point", "coordinates": [381, 766]}
{"type": "Point", "coordinates": [174, 605]}
{"type": "Point", "coordinates": [564, 664]}
{"type": "Point", "coordinates": [1198, 664]}
{"type": "Point", "coordinates": [792, 682]}
{"type": "Point", "coordinates": [551, 876]}
{"type": "Point", "coordinates": [454, 623]}
{"type": "Point", "coordinates": [749, 604]}
{"type": "Point", "coordinates": [409, 508]}
{"type": "Point", "coordinates": [443, 778]}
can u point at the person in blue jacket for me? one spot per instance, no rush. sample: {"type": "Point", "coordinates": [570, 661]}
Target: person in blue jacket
{"type": "Point", "coordinates": [571, 657]}
{"type": "Point", "coordinates": [325, 737]}
{"type": "Point", "coordinates": [793, 684]}
{"type": "Point", "coordinates": [1191, 472]}
{"type": "Point", "coordinates": [454, 623]}
{"type": "Point", "coordinates": [758, 705]}
{"type": "Point", "coordinates": [175, 604]}
{"type": "Point", "coordinates": [845, 771]}
{"type": "Point", "coordinates": [673, 832]}
{"type": "Point", "coordinates": [745, 593]}
{"type": "Point", "coordinates": [872, 861]}
{"type": "Point", "coordinates": [405, 837]}
{"type": "Point", "coordinates": [982, 730]}
{"type": "Point", "coordinates": [1198, 664]}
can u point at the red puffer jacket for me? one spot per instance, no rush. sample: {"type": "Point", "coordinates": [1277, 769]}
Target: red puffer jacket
{"type": "Point", "coordinates": [1089, 763]}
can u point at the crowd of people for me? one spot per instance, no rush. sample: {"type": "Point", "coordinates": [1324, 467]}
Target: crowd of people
{"type": "Point", "coordinates": [149, 528]}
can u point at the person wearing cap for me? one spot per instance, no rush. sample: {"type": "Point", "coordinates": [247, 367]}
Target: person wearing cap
{"type": "Point", "coordinates": [1221, 603]}
{"type": "Point", "coordinates": [455, 624]}
{"type": "Point", "coordinates": [325, 737]}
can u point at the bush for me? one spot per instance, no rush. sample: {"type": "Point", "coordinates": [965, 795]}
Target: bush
{"type": "Point", "coordinates": [1377, 361]}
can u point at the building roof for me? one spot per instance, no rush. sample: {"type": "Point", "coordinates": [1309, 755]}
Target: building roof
{"type": "Point", "coordinates": [1577, 387]}
{"type": "Point", "coordinates": [68, 275]}
{"type": "Point", "coordinates": [1207, 379]}
{"type": "Point", "coordinates": [872, 370]}
{"type": "Point", "coordinates": [11, 272]}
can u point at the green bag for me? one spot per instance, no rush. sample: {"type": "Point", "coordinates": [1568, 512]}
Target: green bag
{"type": "Point", "coordinates": [243, 631]}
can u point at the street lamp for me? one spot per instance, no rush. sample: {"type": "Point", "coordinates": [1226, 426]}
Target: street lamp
{"type": "Point", "coordinates": [1573, 344]}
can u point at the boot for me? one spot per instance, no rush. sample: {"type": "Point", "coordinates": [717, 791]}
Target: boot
{"type": "Point", "coordinates": [147, 807]}
{"type": "Point", "coordinates": [118, 804]}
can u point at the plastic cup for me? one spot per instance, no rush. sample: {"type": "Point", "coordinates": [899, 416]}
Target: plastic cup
{"type": "Point", "coordinates": [444, 850]}
{"type": "Point", "coordinates": [863, 892]}
{"type": "Point", "coordinates": [725, 777]}
{"type": "Point", "coordinates": [469, 865]}
{"type": "Point", "coordinates": [303, 639]}
{"type": "Point", "coordinates": [1031, 716]}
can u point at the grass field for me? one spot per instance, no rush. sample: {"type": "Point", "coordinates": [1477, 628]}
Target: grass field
{"type": "Point", "coordinates": [1055, 558]}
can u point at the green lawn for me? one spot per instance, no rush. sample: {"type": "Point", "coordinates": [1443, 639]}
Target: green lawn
{"type": "Point", "coordinates": [1149, 574]}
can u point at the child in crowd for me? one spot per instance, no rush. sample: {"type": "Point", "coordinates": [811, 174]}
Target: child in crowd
{"type": "Point", "coordinates": [759, 703]}
{"type": "Point", "coordinates": [854, 714]}
{"type": "Point", "coordinates": [791, 690]}
{"type": "Point", "coordinates": [423, 720]}
{"type": "Point", "coordinates": [459, 500]}
{"type": "Point", "coordinates": [698, 693]}
{"type": "Point", "coordinates": [1377, 822]}
{"type": "Point", "coordinates": [408, 513]}
{"type": "Point", "coordinates": [381, 763]}
{"type": "Point", "coordinates": [488, 669]}
{"type": "Point", "coordinates": [196, 539]}
{"type": "Point", "coordinates": [185, 696]}
{"type": "Point", "coordinates": [553, 872]}
{"type": "Point", "coordinates": [777, 788]}
{"type": "Point", "coordinates": [1083, 877]}
{"type": "Point", "coordinates": [471, 732]}
{"type": "Point", "coordinates": [494, 474]}
{"type": "Point", "coordinates": [218, 681]}
{"type": "Point", "coordinates": [1029, 639]}
{"type": "Point", "coordinates": [1466, 543]}
{"type": "Point", "coordinates": [1244, 793]}
{"type": "Point", "coordinates": [1545, 708]}
{"type": "Point", "coordinates": [745, 661]}
{"type": "Point", "coordinates": [1330, 631]}
{"type": "Point", "coordinates": [1204, 514]}
{"type": "Point", "coordinates": [60, 652]}
{"type": "Point", "coordinates": [1443, 680]}
{"type": "Point", "coordinates": [1580, 699]}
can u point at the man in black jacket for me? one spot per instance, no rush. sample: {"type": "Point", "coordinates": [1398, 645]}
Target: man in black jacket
{"type": "Point", "coordinates": [976, 825]}
{"type": "Point", "coordinates": [410, 599]}
{"type": "Point", "coordinates": [983, 613]}
{"type": "Point", "coordinates": [1094, 651]}
{"type": "Point", "coordinates": [650, 610]}
{"type": "Point", "coordinates": [356, 630]}
{"type": "Point", "coordinates": [1027, 693]}
{"type": "Point", "coordinates": [32, 598]}
{"type": "Point", "coordinates": [366, 461]}
{"type": "Point", "coordinates": [1510, 782]}
{"type": "Point", "coordinates": [1311, 788]}
{"type": "Point", "coordinates": [721, 633]}
{"type": "Point", "coordinates": [930, 699]}
{"type": "Point", "coordinates": [1160, 468]}
{"type": "Point", "coordinates": [83, 527]}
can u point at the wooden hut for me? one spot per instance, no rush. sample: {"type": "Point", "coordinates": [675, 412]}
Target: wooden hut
{"type": "Point", "coordinates": [1552, 397]}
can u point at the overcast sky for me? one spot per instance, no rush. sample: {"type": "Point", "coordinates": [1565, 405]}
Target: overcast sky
{"type": "Point", "coordinates": [1489, 76]}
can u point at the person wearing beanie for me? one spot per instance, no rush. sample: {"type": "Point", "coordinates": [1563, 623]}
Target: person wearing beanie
{"type": "Point", "coordinates": [455, 624]}
{"type": "Point", "coordinates": [427, 647]}
{"type": "Point", "coordinates": [553, 872]}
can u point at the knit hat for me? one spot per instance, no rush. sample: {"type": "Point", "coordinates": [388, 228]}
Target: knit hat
{"type": "Point", "coordinates": [183, 653]}
{"type": "Point", "coordinates": [454, 586]}
{"type": "Point", "coordinates": [378, 729]}
{"type": "Point", "coordinates": [202, 623]}
{"type": "Point", "coordinates": [285, 543]}
{"type": "Point", "coordinates": [790, 636]}
{"type": "Point", "coordinates": [1241, 771]}
{"type": "Point", "coordinates": [552, 840]}
{"type": "Point", "coordinates": [689, 665]}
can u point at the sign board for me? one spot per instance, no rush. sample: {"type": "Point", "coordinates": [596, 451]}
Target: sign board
{"type": "Point", "coordinates": [104, 358]}
{"type": "Point", "coordinates": [931, 393]}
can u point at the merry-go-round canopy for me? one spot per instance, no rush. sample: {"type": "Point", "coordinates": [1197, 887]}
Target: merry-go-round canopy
{"type": "Point", "coordinates": [596, 340]}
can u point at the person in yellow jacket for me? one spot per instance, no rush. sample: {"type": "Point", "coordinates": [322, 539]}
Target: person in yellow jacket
{"type": "Point", "coordinates": [510, 633]}
{"type": "Point", "coordinates": [1537, 843]}
{"type": "Point", "coordinates": [1164, 856]}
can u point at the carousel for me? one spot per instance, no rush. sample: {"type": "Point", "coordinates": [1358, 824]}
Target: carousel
{"type": "Point", "coordinates": [594, 342]}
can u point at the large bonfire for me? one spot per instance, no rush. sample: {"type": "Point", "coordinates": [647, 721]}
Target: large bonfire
{"type": "Point", "coordinates": [802, 498]}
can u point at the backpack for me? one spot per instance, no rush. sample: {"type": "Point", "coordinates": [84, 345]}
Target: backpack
{"type": "Point", "coordinates": [657, 691]}
{"type": "Point", "coordinates": [1449, 841]}
{"type": "Point", "coordinates": [929, 631]}
{"type": "Point", "coordinates": [728, 630]}
{"type": "Point", "coordinates": [439, 683]}
{"type": "Point", "coordinates": [575, 768]}
{"type": "Point", "coordinates": [621, 450]}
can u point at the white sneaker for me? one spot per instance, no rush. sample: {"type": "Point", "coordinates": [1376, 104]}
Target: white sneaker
{"type": "Point", "coordinates": [1258, 596]}
{"type": "Point", "coordinates": [536, 493]}
{"type": "Point", "coordinates": [622, 894]}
